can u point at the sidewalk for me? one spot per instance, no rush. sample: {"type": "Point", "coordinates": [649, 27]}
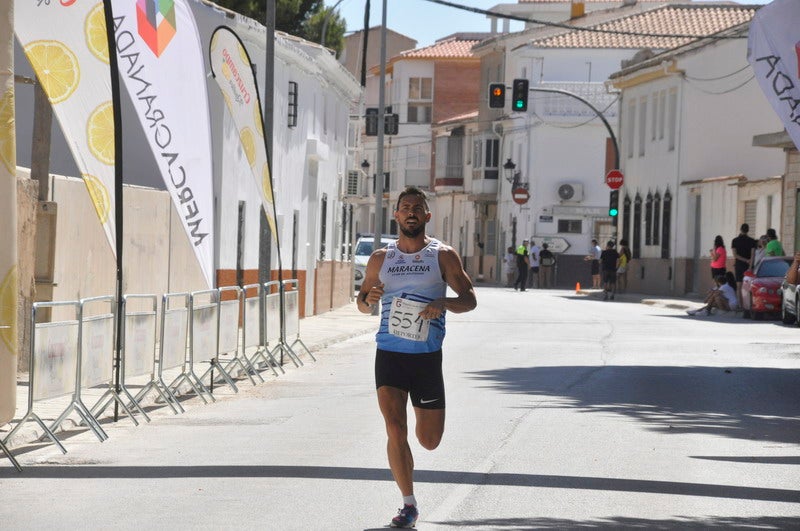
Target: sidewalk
{"type": "Point", "coordinates": [316, 332]}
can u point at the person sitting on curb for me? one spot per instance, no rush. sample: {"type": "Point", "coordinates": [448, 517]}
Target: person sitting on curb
{"type": "Point", "coordinates": [723, 296]}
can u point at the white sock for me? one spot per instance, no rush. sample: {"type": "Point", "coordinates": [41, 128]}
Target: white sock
{"type": "Point", "coordinates": [410, 500]}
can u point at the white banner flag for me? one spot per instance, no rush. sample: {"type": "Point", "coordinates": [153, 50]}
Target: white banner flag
{"type": "Point", "coordinates": [67, 46]}
{"type": "Point", "coordinates": [774, 53]}
{"type": "Point", "coordinates": [230, 65]}
{"type": "Point", "coordinates": [161, 64]}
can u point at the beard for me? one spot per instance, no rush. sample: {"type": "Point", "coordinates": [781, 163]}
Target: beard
{"type": "Point", "coordinates": [413, 232]}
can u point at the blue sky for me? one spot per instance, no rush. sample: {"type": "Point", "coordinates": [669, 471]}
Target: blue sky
{"type": "Point", "coordinates": [426, 21]}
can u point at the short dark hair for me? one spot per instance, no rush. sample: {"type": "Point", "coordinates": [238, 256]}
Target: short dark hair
{"type": "Point", "coordinates": [745, 227]}
{"type": "Point", "coordinates": [772, 234]}
{"type": "Point", "coordinates": [412, 190]}
{"type": "Point", "coordinates": [610, 243]}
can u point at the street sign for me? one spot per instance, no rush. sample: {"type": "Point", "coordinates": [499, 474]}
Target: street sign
{"type": "Point", "coordinates": [555, 244]}
{"type": "Point", "coordinates": [520, 195]}
{"type": "Point", "coordinates": [614, 179]}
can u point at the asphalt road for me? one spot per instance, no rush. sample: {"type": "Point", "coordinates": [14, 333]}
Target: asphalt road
{"type": "Point", "coordinates": [563, 412]}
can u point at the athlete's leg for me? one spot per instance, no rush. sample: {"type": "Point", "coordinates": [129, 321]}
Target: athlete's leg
{"type": "Point", "coordinates": [392, 402]}
{"type": "Point", "coordinates": [430, 427]}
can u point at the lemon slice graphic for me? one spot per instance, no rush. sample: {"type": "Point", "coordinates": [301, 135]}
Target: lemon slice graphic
{"type": "Point", "coordinates": [99, 194]}
{"type": "Point", "coordinates": [257, 118]}
{"type": "Point", "coordinates": [8, 152]}
{"type": "Point", "coordinates": [8, 310]}
{"type": "Point", "coordinates": [265, 182]}
{"type": "Point", "coordinates": [100, 133]}
{"type": "Point", "coordinates": [56, 68]}
{"type": "Point", "coordinates": [95, 30]}
{"type": "Point", "coordinates": [248, 144]}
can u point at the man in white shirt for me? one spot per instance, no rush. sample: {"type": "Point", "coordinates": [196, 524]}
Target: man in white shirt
{"type": "Point", "coordinates": [533, 257]}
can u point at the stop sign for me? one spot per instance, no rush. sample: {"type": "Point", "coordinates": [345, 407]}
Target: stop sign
{"type": "Point", "coordinates": [614, 179]}
{"type": "Point", "coordinates": [520, 195]}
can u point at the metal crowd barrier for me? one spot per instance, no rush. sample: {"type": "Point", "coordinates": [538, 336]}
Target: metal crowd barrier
{"type": "Point", "coordinates": [74, 354]}
{"type": "Point", "coordinates": [253, 322]}
{"type": "Point", "coordinates": [291, 320]}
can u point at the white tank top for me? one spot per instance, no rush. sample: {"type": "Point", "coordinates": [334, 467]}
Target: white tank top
{"type": "Point", "coordinates": [410, 282]}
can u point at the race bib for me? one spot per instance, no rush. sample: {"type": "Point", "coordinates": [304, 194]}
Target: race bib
{"type": "Point", "coordinates": [405, 321]}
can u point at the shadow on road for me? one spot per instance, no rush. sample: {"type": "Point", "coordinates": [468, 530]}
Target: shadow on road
{"type": "Point", "coordinates": [765, 522]}
{"type": "Point", "coordinates": [420, 476]}
{"type": "Point", "coordinates": [740, 402]}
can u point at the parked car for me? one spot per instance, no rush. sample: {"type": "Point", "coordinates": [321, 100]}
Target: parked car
{"type": "Point", "coordinates": [362, 252]}
{"type": "Point", "coordinates": [790, 304]}
{"type": "Point", "coordinates": [761, 289]}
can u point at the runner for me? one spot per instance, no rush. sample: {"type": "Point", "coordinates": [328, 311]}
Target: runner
{"type": "Point", "coordinates": [410, 278]}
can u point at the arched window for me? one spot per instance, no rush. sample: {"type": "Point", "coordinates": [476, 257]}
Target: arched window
{"type": "Point", "coordinates": [626, 217]}
{"type": "Point", "coordinates": [657, 218]}
{"type": "Point", "coordinates": [648, 219]}
{"type": "Point", "coordinates": [666, 228]}
{"type": "Point", "coordinates": [637, 226]}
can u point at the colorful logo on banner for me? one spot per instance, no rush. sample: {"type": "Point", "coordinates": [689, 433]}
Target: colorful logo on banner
{"type": "Point", "coordinates": [238, 86]}
{"type": "Point", "coordinates": [67, 45]}
{"type": "Point", "coordinates": [156, 23]}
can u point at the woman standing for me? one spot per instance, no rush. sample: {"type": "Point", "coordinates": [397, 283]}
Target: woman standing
{"type": "Point", "coordinates": [718, 257]}
{"type": "Point", "coordinates": [624, 262]}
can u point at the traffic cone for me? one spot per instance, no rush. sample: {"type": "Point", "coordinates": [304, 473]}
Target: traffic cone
{"type": "Point", "coordinates": [577, 287]}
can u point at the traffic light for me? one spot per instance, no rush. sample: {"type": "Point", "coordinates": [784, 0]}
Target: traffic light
{"type": "Point", "coordinates": [497, 95]}
{"type": "Point", "coordinates": [391, 124]}
{"type": "Point", "coordinates": [613, 203]}
{"type": "Point", "coordinates": [519, 95]}
{"type": "Point", "coordinates": [372, 121]}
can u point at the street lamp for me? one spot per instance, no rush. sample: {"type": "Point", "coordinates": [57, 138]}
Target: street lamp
{"type": "Point", "coordinates": [365, 166]}
{"type": "Point", "coordinates": [508, 169]}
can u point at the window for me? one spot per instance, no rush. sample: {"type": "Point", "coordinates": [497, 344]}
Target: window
{"type": "Point", "coordinates": [292, 104]}
{"type": "Point", "coordinates": [570, 226]}
{"type": "Point", "coordinates": [631, 127]}
{"type": "Point", "coordinates": [626, 216]}
{"type": "Point", "coordinates": [673, 117]}
{"type": "Point", "coordinates": [750, 211]}
{"type": "Point", "coordinates": [491, 235]}
{"type": "Point", "coordinates": [657, 218]}
{"type": "Point", "coordinates": [323, 229]}
{"type": "Point", "coordinates": [637, 227]}
{"type": "Point", "coordinates": [665, 229]}
{"type": "Point", "coordinates": [492, 159]}
{"type": "Point", "coordinates": [642, 124]}
{"type": "Point", "coordinates": [420, 97]}
{"type": "Point", "coordinates": [648, 219]}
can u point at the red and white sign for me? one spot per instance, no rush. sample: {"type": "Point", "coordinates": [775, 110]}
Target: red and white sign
{"type": "Point", "coordinates": [520, 195]}
{"type": "Point", "coordinates": [614, 179]}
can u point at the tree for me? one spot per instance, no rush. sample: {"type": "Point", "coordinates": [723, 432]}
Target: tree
{"type": "Point", "coordinates": [302, 18]}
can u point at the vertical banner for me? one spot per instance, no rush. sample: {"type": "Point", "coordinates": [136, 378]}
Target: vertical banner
{"type": "Point", "coordinates": [67, 46]}
{"type": "Point", "coordinates": [773, 50]}
{"type": "Point", "coordinates": [8, 219]}
{"type": "Point", "coordinates": [161, 64]}
{"type": "Point", "coordinates": [232, 70]}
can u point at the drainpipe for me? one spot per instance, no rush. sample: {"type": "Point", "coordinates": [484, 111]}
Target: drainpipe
{"type": "Point", "coordinates": [678, 147]}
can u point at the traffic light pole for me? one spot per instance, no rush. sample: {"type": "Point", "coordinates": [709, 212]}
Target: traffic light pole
{"type": "Point", "coordinates": [379, 178]}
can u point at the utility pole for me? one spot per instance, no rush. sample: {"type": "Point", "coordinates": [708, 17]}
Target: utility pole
{"type": "Point", "coordinates": [376, 241]}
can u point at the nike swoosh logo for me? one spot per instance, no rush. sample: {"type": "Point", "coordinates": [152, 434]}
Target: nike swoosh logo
{"type": "Point", "coordinates": [428, 401]}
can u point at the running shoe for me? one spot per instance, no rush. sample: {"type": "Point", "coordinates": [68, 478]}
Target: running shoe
{"type": "Point", "coordinates": [406, 517]}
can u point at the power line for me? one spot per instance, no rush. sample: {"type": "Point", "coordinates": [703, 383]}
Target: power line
{"type": "Point", "coordinates": [577, 28]}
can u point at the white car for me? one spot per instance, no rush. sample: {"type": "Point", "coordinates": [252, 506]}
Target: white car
{"type": "Point", "coordinates": [361, 255]}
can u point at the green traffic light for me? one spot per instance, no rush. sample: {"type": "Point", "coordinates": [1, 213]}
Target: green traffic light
{"type": "Point", "coordinates": [518, 104]}
{"type": "Point", "coordinates": [613, 212]}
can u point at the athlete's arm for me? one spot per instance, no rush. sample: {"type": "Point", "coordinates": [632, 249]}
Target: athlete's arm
{"type": "Point", "coordinates": [371, 288]}
{"type": "Point", "coordinates": [457, 279]}
{"type": "Point", "coordinates": [792, 275]}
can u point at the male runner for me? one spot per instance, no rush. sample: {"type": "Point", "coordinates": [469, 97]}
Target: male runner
{"type": "Point", "coordinates": [410, 277]}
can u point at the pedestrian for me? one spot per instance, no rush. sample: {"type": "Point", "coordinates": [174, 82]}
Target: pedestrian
{"type": "Point", "coordinates": [409, 277]}
{"type": "Point", "coordinates": [594, 259]}
{"type": "Point", "coordinates": [510, 266]}
{"type": "Point", "coordinates": [718, 257]}
{"type": "Point", "coordinates": [774, 247]}
{"type": "Point", "coordinates": [760, 251]}
{"type": "Point", "coordinates": [743, 248]}
{"type": "Point", "coordinates": [609, 262]}
{"type": "Point", "coordinates": [723, 296]}
{"type": "Point", "coordinates": [547, 262]}
{"type": "Point", "coordinates": [522, 266]}
{"type": "Point", "coordinates": [533, 257]}
{"type": "Point", "coordinates": [624, 262]}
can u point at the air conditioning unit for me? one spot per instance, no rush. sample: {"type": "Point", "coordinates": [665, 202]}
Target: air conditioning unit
{"type": "Point", "coordinates": [572, 192]}
{"type": "Point", "coordinates": [352, 186]}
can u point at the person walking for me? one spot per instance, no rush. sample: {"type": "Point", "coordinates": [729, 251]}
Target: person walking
{"type": "Point", "coordinates": [743, 248]}
{"type": "Point", "coordinates": [624, 262]}
{"type": "Point", "coordinates": [547, 262]}
{"type": "Point", "coordinates": [609, 261]}
{"type": "Point", "coordinates": [594, 258]}
{"type": "Point", "coordinates": [774, 247]}
{"type": "Point", "coordinates": [409, 278]}
{"type": "Point", "coordinates": [718, 257]}
{"type": "Point", "coordinates": [533, 258]}
{"type": "Point", "coordinates": [522, 266]}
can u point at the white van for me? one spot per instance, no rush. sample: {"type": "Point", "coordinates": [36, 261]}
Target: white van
{"type": "Point", "coordinates": [363, 251]}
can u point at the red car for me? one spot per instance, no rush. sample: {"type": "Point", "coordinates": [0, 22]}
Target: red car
{"type": "Point", "coordinates": [761, 289]}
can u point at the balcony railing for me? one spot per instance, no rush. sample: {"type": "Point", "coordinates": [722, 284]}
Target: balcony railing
{"type": "Point", "coordinates": [557, 105]}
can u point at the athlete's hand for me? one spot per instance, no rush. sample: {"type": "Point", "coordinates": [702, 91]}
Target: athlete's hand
{"type": "Point", "coordinates": [374, 295]}
{"type": "Point", "coordinates": [433, 310]}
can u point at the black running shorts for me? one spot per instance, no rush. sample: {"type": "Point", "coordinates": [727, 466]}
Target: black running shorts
{"type": "Point", "coordinates": [420, 375]}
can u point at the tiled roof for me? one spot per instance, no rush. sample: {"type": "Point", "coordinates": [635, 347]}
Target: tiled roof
{"type": "Point", "coordinates": [674, 19]}
{"type": "Point", "coordinates": [459, 118]}
{"type": "Point", "coordinates": [452, 48]}
{"type": "Point", "coordinates": [568, 1]}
